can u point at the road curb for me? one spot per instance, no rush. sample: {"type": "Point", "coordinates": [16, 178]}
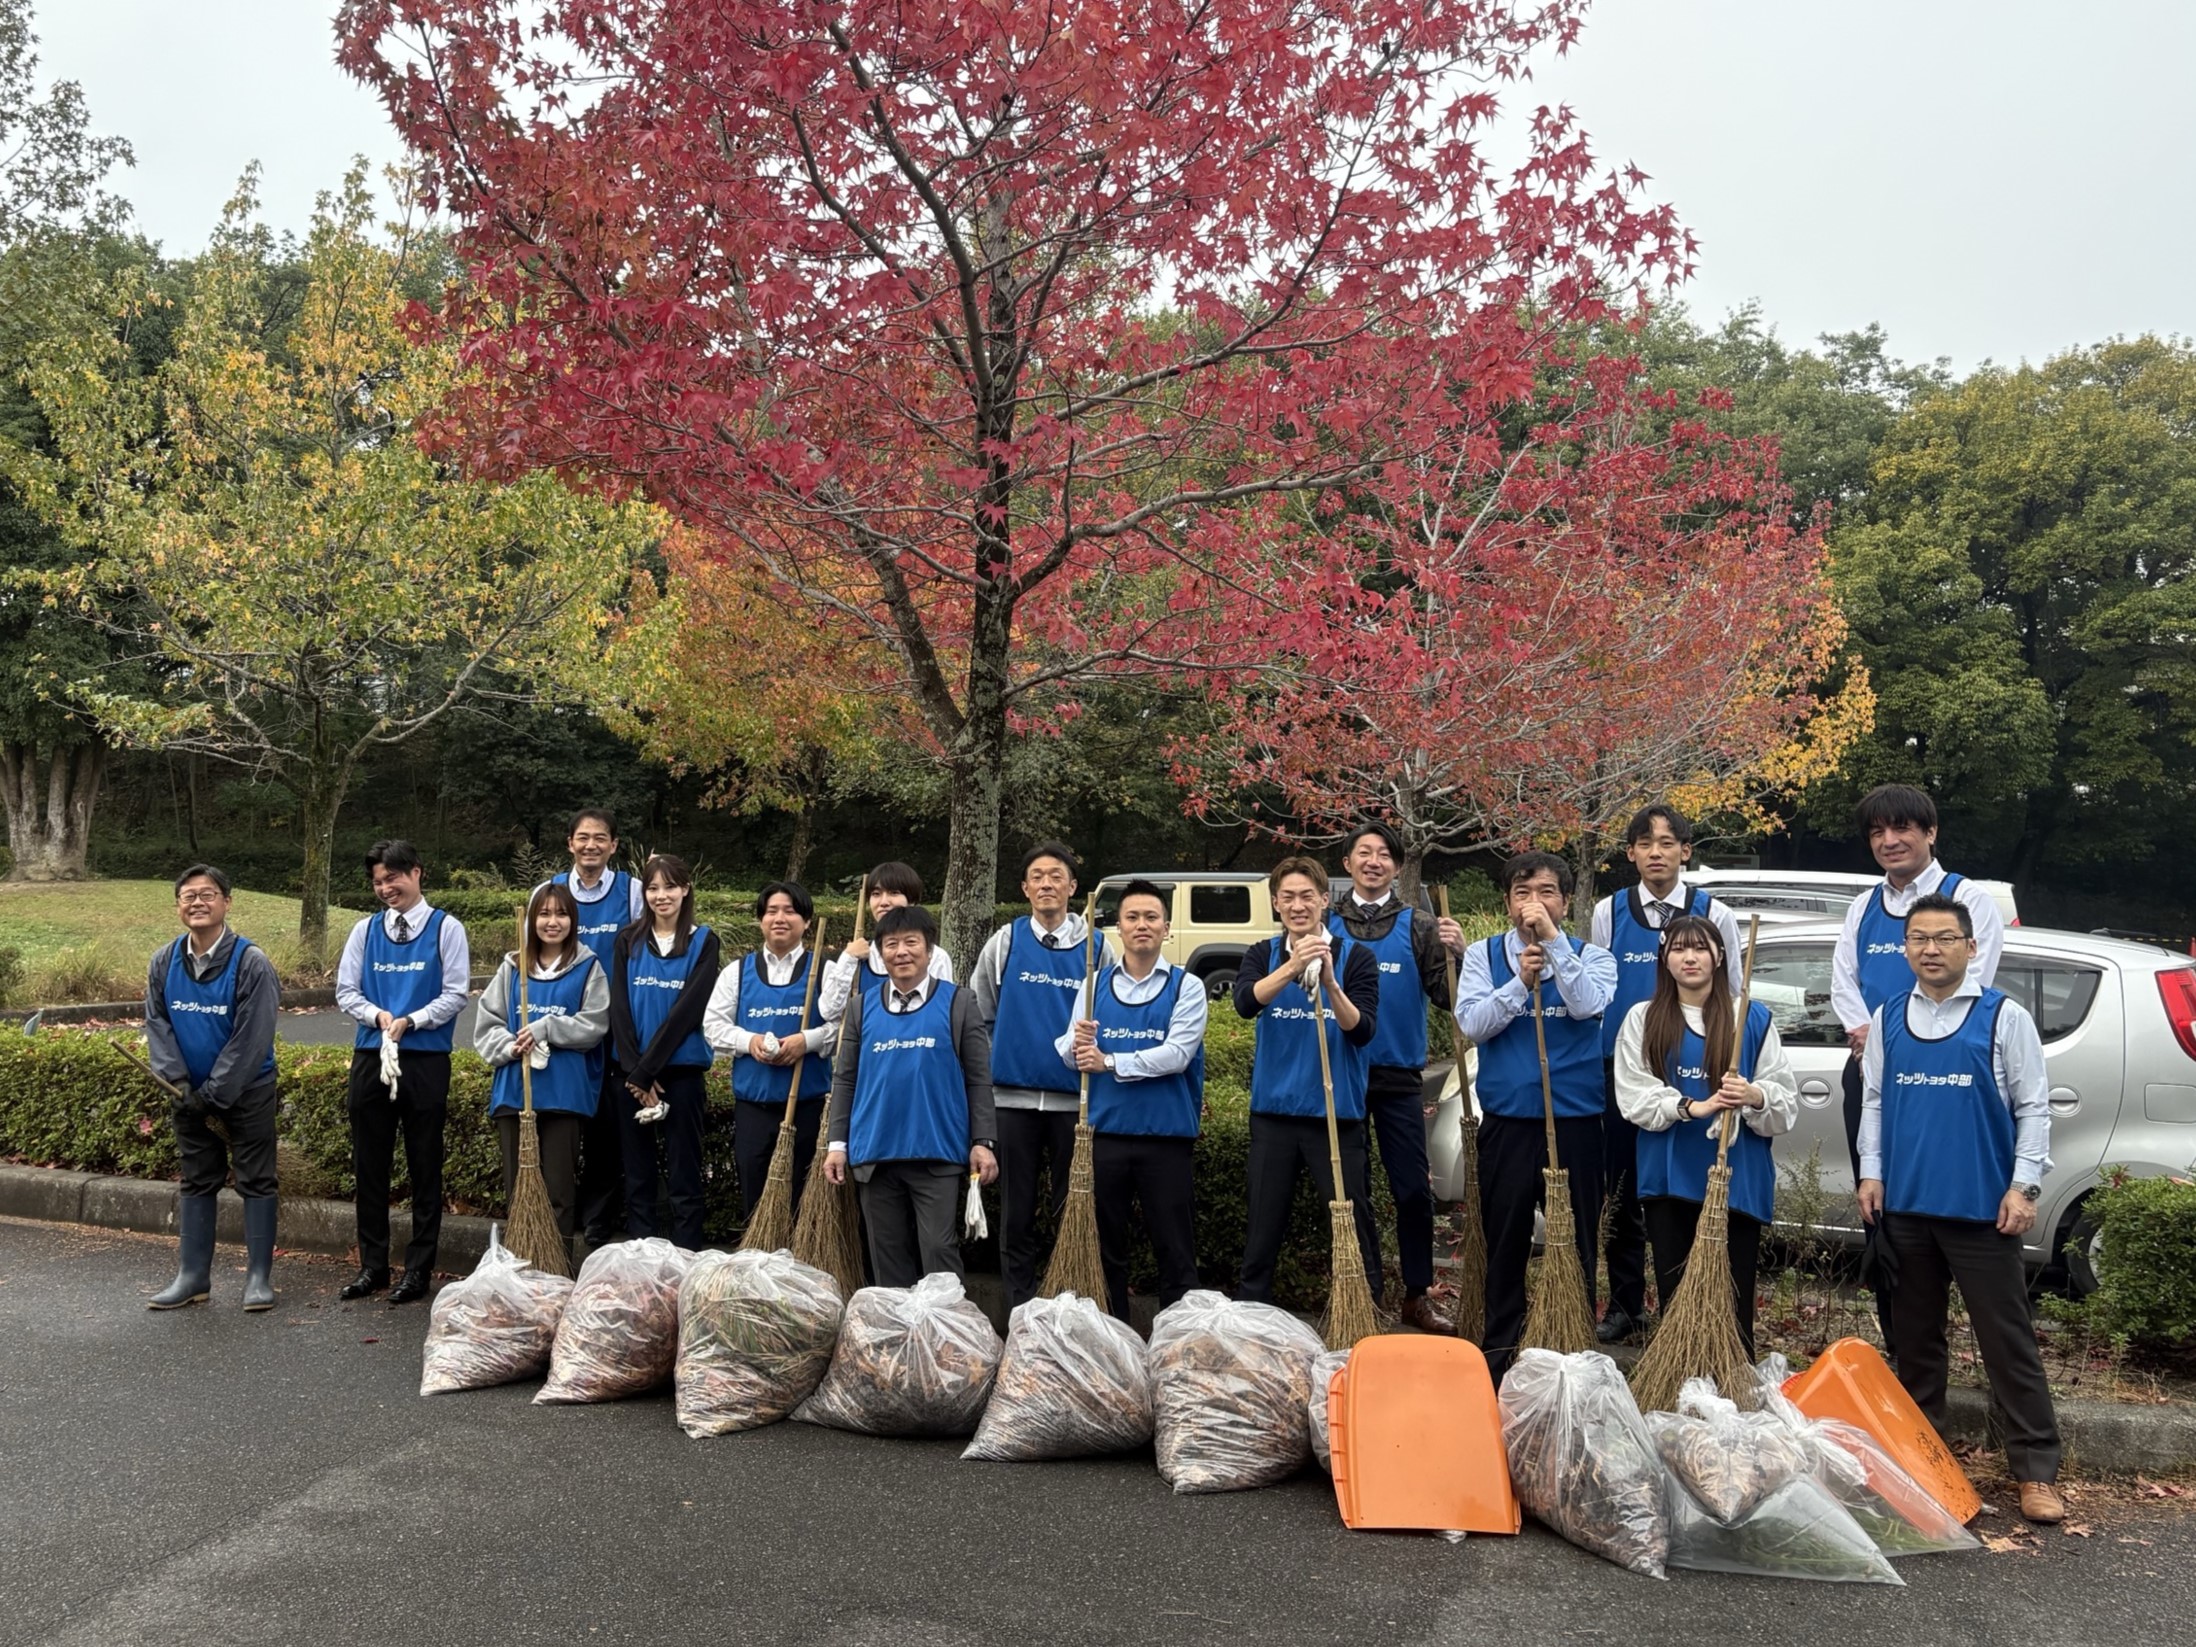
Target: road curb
{"type": "Point", "coordinates": [130, 1012]}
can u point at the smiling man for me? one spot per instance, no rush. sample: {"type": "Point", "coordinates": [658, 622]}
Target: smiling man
{"type": "Point", "coordinates": [609, 901]}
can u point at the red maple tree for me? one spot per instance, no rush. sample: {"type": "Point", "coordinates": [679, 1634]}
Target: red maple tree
{"type": "Point", "coordinates": [1006, 336]}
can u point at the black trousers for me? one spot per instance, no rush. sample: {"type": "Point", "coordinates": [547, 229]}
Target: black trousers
{"type": "Point", "coordinates": [1158, 1175]}
{"type": "Point", "coordinates": [601, 1207]}
{"type": "Point", "coordinates": [1031, 1142]}
{"type": "Point", "coordinates": [1935, 1252]}
{"type": "Point", "coordinates": [558, 1132]}
{"type": "Point", "coordinates": [250, 1149]}
{"type": "Point", "coordinates": [1853, 1092]}
{"type": "Point", "coordinates": [672, 1145]}
{"type": "Point", "coordinates": [1625, 1251]}
{"type": "Point", "coordinates": [1281, 1146]}
{"type": "Point", "coordinates": [1395, 1109]}
{"type": "Point", "coordinates": [419, 1110]}
{"type": "Point", "coordinates": [1671, 1221]}
{"type": "Point", "coordinates": [1512, 1153]}
{"type": "Point", "coordinates": [755, 1138]}
{"type": "Point", "coordinates": [911, 1212]}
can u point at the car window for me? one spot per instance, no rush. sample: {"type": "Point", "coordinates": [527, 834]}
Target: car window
{"type": "Point", "coordinates": [1805, 903]}
{"type": "Point", "coordinates": [1221, 905]}
{"type": "Point", "coordinates": [2058, 994]}
{"type": "Point", "coordinates": [1793, 982]}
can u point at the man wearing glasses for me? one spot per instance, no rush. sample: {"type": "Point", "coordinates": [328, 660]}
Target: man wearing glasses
{"type": "Point", "coordinates": [1955, 1136]}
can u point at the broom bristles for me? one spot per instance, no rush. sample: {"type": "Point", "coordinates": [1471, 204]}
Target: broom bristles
{"type": "Point", "coordinates": [770, 1224]}
{"type": "Point", "coordinates": [1557, 1315]}
{"type": "Point", "coordinates": [531, 1232]}
{"type": "Point", "coordinates": [1699, 1334]}
{"type": "Point", "coordinates": [1471, 1255]}
{"type": "Point", "coordinates": [1350, 1312]}
{"type": "Point", "coordinates": [1076, 1265]}
{"type": "Point", "coordinates": [827, 1234]}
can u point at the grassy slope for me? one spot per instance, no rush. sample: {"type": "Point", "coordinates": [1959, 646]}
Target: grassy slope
{"type": "Point", "coordinates": [78, 932]}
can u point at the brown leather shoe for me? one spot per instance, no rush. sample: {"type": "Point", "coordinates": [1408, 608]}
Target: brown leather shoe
{"type": "Point", "coordinates": [1419, 1312]}
{"type": "Point", "coordinates": [2041, 1501]}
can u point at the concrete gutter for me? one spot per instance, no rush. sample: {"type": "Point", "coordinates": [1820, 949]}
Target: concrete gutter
{"type": "Point", "coordinates": [110, 1012]}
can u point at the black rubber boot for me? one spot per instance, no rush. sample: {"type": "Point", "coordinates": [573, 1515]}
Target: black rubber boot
{"type": "Point", "coordinates": [259, 1252]}
{"type": "Point", "coordinates": [193, 1283]}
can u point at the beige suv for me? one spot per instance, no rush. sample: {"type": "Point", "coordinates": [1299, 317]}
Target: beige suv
{"type": "Point", "coordinates": [1213, 919]}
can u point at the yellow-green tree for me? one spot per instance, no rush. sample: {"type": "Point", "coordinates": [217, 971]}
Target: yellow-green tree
{"type": "Point", "coordinates": [261, 522]}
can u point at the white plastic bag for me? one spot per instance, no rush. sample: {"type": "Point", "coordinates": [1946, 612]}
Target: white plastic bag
{"type": "Point", "coordinates": [1729, 1461]}
{"type": "Point", "coordinates": [493, 1327]}
{"type": "Point", "coordinates": [910, 1361]}
{"type": "Point", "coordinates": [1072, 1384]}
{"type": "Point", "coordinates": [620, 1332]}
{"type": "Point", "coordinates": [1232, 1387]}
{"type": "Point", "coordinates": [756, 1330]}
{"type": "Point", "coordinates": [1329, 1363]}
{"type": "Point", "coordinates": [1798, 1531]}
{"type": "Point", "coordinates": [1581, 1459]}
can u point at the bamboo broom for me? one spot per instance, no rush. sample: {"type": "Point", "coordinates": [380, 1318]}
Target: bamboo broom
{"type": "Point", "coordinates": [531, 1231]}
{"type": "Point", "coordinates": [1471, 1253]}
{"type": "Point", "coordinates": [1699, 1334]}
{"type": "Point", "coordinates": [1076, 1265]}
{"type": "Point", "coordinates": [828, 1233]}
{"type": "Point", "coordinates": [1350, 1311]}
{"type": "Point", "coordinates": [1557, 1315]}
{"type": "Point", "coordinates": [770, 1225]}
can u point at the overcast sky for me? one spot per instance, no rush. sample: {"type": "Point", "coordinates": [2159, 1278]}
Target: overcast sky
{"type": "Point", "coordinates": [1989, 179]}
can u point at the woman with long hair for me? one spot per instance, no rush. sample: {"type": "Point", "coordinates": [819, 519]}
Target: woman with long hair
{"type": "Point", "coordinates": [661, 973]}
{"type": "Point", "coordinates": [1677, 1081]}
{"type": "Point", "coordinates": [567, 1015]}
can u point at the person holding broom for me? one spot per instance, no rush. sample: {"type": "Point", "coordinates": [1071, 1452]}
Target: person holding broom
{"type": "Point", "coordinates": [760, 1014]}
{"type": "Point", "coordinates": [1143, 1046]}
{"type": "Point", "coordinates": [1676, 1082]}
{"type": "Point", "coordinates": [1496, 987]}
{"type": "Point", "coordinates": [1955, 1139]}
{"type": "Point", "coordinates": [1025, 982]}
{"type": "Point", "coordinates": [560, 1034]}
{"type": "Point", "coordinates": [1412, 952]}
{"type": "Point", "coordinates": [210, 999]}
{"type": "Point", "coordinates": [1659, 843]}
{"type": "Point", "coordinates": [911, 1111]}
{"type": "Point", "coordinates": [1288, 1126]}
{"type": "Point", "coordinates": [892, 885]}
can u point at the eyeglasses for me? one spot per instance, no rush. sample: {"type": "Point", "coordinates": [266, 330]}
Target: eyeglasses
{"type": "Point", "coordinates": [1936, 940]}
{"type": "Point", "coordinates": [198, 897]}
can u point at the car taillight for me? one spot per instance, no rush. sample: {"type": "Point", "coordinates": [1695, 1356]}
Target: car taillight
{"type": "Point", "coordinates": [2178, 987]}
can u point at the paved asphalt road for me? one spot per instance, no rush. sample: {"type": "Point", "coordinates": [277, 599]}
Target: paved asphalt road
{"type": "Point", "coordinates": [211, 1477]}
{"type": "Point", "coordinates": [326, 1027]}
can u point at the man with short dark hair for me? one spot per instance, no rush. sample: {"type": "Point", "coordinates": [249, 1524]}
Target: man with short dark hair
{"type": "Point", "coordinates": [1955, 1138]}
{"type": "Point", "coordinates": [1024, 982]}
{"type": "Point", "coordinates": [911, 1110]}
{"type": "Point", "coordinates": [210, 1002]}
{"type": "Point", "coordinates": [1412, 953]}
{"type": "Point", "coordinates": [609, 901]}
{"type": "Point", "coordinates": [404, 975]}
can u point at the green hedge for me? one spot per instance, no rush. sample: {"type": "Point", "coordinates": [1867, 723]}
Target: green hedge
{"type": "Point", "coordinates": [2147, 1270]}
{"type": "Point", "coordinates": [68, 1101]}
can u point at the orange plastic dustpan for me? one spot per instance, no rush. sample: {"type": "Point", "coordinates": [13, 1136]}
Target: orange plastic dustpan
{"type": "Point", "coordinates": [1850, 1381]}
{"type": "Point", "coordinates": [1416, 1438]}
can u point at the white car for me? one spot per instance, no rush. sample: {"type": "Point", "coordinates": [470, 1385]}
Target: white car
{"type": "Point", "coordinates": [1784, 895]}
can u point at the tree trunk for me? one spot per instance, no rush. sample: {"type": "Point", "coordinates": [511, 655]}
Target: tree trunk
{"type": "Point", "coordinates": [971, 898]}
{"type": "Point", "coordinates": [1585, 860]}
{"type": "Point", "coordinates": [804, 838]}
{"type": "Point", "coordinates": [319, 801]}
{"type": "Point", "coordinates": [49, 796]}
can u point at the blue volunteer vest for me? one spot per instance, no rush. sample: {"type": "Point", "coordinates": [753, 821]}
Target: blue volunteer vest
{"type": "Point", "coordinates": [765, 1008]}
{"type": "Point", "coordinates": [910, 1097]}
{"type": "Point", "coordinates": [573, 1080]}
{"type": "Point", "coordinates": [1676, 1161]}
{"type": "Point", "coordinates": [203, 1016]}
{"type": "Point", "coordinates": [1167, 1106]}
{"type": "Point", "coordinates": [1509, 1065]}
{"type": "Point", "coordinates": [1285, 1058]}
{"type": "Point", "coordinates": [1399, 1037]}
{"type": "Point", "coordinates": [1947, 1137]}
{"type": "Point", "coordinates": [1036, 1003]}
{"type": "Point", "coordinates": [402, 979]}
{"type": "Point", "coordinates": [602, 920]}
{"type": "Point", "coordinates": [1638, 950]}
{"type": "Point", "coordinates": [1879, 950]}
{"type": "Point", "coordinates": [652, 985]}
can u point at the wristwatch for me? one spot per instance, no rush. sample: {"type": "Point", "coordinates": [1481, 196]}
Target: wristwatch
{"type": "Point", "coordinates": [1107, 1063]}
{"type": "Point", "coordinates": [2030, 1193]}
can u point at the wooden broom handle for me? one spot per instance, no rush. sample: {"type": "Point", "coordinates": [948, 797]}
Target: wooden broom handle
{"type": "Point", "coordinates": [1547, 1084]}
{"type": "Point", "coordinates": [861, 908]}
{"type": "Point", "coordinates": [1729, 1124]}
{"type": "Point", "coordinates": [1326, 1078]}
{"type": "Point", "coordinates": [1090, 994]}
{"type": "Point", "coordinates": [815, 965]}
{"type": "Point", "coordinates": [1441, 902]}
{"type": "Point", "coordinates": [518, 965]}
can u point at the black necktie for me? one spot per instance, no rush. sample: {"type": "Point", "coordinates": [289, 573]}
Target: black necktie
{"type": "Point", "coordinates": [404, 930]}
{"type": "Point", "coordinates": [1670, 912]}
{"type": "Point", "coordinates": [903, 1000]}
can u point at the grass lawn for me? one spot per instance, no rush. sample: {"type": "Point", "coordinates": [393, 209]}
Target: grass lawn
{"type": "Point", "coordinates": [90, 940]}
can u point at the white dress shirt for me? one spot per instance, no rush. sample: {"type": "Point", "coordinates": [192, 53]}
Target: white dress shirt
{"type": "Point", "coordinates": [1185, 1027]}
{"type": "Point", "coordinates": [1601, 928]}
{"type": "Point", "coordinates": [2016, 1059]}
{"type": "Point", "coordinates": [1585, 979]}
{"type": "Point", "coordinates": [1982, 908]}
{"type": "Point", "coordinates": [456, 957]}
{"type": "Point", "coordinates": [721, 1022]}
{"type": "Point", "coordinates": [1648, 1101]}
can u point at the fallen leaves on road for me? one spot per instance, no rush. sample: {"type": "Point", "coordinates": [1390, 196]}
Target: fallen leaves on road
{"type": "Point", "coordinates": [2077, 1529]}
{"type": "Point", "coordinates": [2159, 1489]}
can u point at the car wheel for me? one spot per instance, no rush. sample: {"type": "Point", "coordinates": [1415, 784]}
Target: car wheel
{"type": "Point", "coordinates": [2084, 1251]}
{"type": "Point", "coordinates": [1220, 984]}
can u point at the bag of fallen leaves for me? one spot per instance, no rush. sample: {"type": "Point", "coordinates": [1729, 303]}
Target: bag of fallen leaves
{"type": "Point", "coordinates": [1581, 1458]}
{"type": "Point", "coordinates": [1728, 1460]}
{"type": "Point", "coordinates": [1329, 1363]}
{"type": "Point", "coordinates": [756, 1331]}
{"type": "Point", "coordinates": [493, 1327]}
{"type": "Point", "coordinates": [914, 1360]}
{"type": "Point", "coordinates": [620, 1332]}
{"type": "Point", "coordinates": [1072, 1384]}
{"type": "Point", "coordinates": [1232, 1383]}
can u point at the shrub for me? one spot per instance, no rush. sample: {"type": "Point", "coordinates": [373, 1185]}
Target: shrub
{"type": "Point", "coordinates": [2148, 1230]}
